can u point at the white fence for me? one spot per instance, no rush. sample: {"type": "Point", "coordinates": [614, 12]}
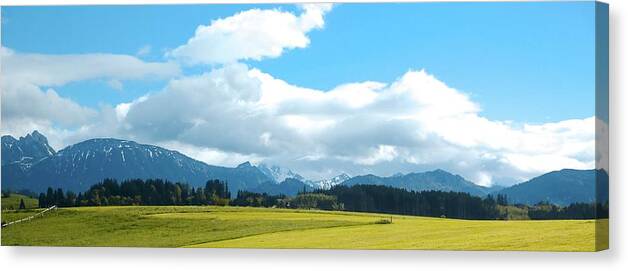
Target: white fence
{"type": "Point", "coordinates": [31, 217]}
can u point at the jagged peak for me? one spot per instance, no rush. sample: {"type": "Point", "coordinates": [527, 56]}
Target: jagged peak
{"type": "Point", "coordinates": [37, 134]}
{"type": "Point", "coordinates": [8, 139]}
{"type": "Point", "coordinates": [246, 164]}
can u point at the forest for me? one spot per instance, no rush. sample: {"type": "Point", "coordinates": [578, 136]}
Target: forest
{"type": "Point", "coordinates": [358, 198]}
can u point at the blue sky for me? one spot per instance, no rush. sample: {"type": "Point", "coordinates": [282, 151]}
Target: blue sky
{"type": "Point", "coordinates": [515, 59]}
{"type": "Point", "coordinates": [495, 92]}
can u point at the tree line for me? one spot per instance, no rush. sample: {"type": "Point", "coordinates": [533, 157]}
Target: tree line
{"type": "Point", "coordinates": [545, 210]}
{"type": "Point", "coordinates": [384, 199]}
{"type": "Point", "coordinates": [358, 198]}
{"type": "Point", "coordinates": [390, 200]}
{"type": "Point", "coordinates": [139, 192]}
{"type": "Point", "coordinates": [303, 200]}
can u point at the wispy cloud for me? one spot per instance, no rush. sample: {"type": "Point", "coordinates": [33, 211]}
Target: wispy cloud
{"type": "Point", "coordinates": [144, 51]}
{"type": "Point", "coordinates": [56, 70]}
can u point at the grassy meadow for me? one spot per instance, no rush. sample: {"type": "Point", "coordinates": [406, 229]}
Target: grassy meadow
{"type": "Point", "coordinates": [247, 227]}
{"type": "Point", "coordinates": [13, 202]}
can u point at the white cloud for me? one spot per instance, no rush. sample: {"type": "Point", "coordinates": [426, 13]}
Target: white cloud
{"type": "Point", "coordinates": [29, 100]}
{"type": "Point", "coordinates": [122, 109]}
{"type": "Point", "coordinates": [380, 154]}
{"type": "Point", "coordinates": [251, 35]}
{"type": "Point", "coordinates": [56, 70]}
{"type": "Point", "coordinates": [219, 109]}
{"type": "Point", "coordinates": [414, 123]}
{"type": "Point", "coordinates": [210, 155]}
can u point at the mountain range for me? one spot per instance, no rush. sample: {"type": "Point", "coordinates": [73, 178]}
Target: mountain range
{"type": "Point", "coordinates": [30, 163]}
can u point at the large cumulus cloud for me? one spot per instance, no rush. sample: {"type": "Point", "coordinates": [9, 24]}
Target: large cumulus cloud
{"type": "Point", "coordinates": [416, 122]}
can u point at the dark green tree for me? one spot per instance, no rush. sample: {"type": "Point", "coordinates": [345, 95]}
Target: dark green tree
{"type": "Point", "coordinates": [50, 197]}
{"type": "Point", "coordinates": [42, 200]}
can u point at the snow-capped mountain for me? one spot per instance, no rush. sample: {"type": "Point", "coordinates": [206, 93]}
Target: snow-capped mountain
{"type": "Point", "coordinates": [81, 165]}
{"type": "Point", "coordinates": [329, 183]}
{"type": "Point", "coordinates": [279, 174]}
{"type": "Point", "coordinates": [26, 150]}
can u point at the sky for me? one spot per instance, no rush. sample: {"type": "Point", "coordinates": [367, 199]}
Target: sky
{"type": "Point", "coordinates": [495, 92]}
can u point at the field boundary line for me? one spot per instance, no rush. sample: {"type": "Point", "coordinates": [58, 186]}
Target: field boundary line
{"type": "Point", "coordinates": [30, 217]}
{"type": "Point", "coordinates": [273, 232]}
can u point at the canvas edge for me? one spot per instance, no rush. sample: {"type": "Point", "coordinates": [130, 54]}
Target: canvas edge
{"type": "Point", "coordinates": [602, 118]}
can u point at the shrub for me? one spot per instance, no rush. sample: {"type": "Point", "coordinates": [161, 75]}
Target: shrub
{"type": "Point", "coordinates": [384, 221]}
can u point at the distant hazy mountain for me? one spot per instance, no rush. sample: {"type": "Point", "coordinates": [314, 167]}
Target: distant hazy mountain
{"type": "Point", "coordinates": [494, 188]}
{"type": "Point", "coordinates": [288, 187]}
{"type": "Point", "coordinates": [79, 166]}
{"type": "Point", "coordinates": [430, 180]}
{"type": "Point", "coordinates": [561, 187]}
{"type": "Point", "coordinates": [26, 150]}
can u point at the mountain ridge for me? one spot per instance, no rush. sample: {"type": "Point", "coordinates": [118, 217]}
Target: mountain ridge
{"type": "Point", "coordinates": [561, 187]}
{"type": "Point", "coordinates": [81, 165]}
{"type": "Point", "coordinates": [437, 179]}
{"type": "Point", "coordinates": [78, 166]}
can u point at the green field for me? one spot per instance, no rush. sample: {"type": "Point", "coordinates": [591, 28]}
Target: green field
{"type": "Point", "coordinates": [244, 227]}
{"type": "Point", "coordinates": [13, 202]}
